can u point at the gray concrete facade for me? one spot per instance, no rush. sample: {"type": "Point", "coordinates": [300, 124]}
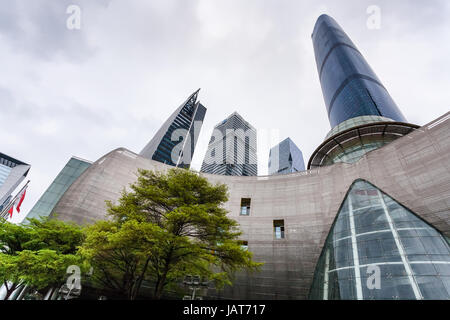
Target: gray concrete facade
{"type": "Point", "coordinates": [413, 169]}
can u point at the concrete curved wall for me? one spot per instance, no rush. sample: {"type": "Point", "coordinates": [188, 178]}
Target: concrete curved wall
{"type": "Point", "coordinates": [414, 170]}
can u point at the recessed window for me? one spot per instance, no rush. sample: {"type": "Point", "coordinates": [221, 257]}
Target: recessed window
{"type": "Point", "coordinates": [244, 245]}
{"type": "Point", "coordinates": [278, 229]}
{"type": "Point", "coordinates": [245, 206]}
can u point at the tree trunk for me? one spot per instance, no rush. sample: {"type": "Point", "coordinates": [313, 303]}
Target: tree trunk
{"type": "Point", "coordinates": [137, 287]}
{"type": "Point", "coordinates": [10, 290]}
{"type": "Point", "coordinates": [160, 286]}
{"type": "Point", "coordinates": [162, 280]}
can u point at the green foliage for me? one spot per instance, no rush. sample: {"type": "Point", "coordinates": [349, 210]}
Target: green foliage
{"type": "Point", "coordinates": [13, 237]}
{"type": "Point", "coordinates": [8, 269]}
{"type": "Point", "coordinates": [60, 236]}
{"type": "Point", "coordinates": [37, 253]}
{"type": "Point", "coordinates": [45, 267]}
{"type": "Point", "coordinates": [170, 224]}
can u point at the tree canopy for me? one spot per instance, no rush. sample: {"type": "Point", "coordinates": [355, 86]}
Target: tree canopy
{"type": "Point", "coordinates": [167, 226]}
{"type": "Point", "coordinates": [38, 253]}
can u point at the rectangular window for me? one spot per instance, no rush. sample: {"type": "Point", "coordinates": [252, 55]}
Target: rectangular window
{"type": "Point", "coordinates": [245, 206]}
{"type": "Point", "coordinates": [278, 228]}
{"type": "Point", "coordinates": [244, 245]}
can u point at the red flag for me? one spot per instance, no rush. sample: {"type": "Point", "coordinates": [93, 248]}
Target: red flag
{"type": "Point", "coordinates": [22, 196]}
{"type": "Point", "coordinates": [10, 211]}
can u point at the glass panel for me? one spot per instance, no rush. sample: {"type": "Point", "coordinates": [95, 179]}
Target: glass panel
{"type": "Point", "coordinates": [409, 257]}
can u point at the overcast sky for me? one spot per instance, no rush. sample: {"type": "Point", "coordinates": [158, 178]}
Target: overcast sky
{"type": "Point", "coordinates": [114, 81]}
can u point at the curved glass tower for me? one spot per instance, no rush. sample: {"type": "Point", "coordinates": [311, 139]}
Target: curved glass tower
{"type": "Point", "coordinates": [350, 87]}
{"type": "Point", "coordinates": [362, 114]}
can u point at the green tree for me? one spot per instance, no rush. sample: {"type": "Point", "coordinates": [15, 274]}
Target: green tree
{"type": "Point", "coordinates": [37, 253]}
{"type": "Point", "coordinates": [119, 254]}
{"type": "Point", "coordinates": [10, 275]}
{"type": "Point", "coordinates": [169, 225]}
{"type": "Point", "coordinates": [44, 268]}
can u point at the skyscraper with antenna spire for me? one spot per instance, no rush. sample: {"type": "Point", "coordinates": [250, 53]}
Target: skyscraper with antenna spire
{"type": "Point", "coordinates": [174, 143]}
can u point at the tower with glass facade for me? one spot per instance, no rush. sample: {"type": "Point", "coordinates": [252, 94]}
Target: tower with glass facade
{"type": "Point", "coordinates": [285, 157]}
{"type": "Point", "coordinates": [350, 87]}
{"type": "Point", "coordinates": [232, 148]}
{"type": "Point", "coordinates": [362, 114]}
{"type": "Point", "coordinates": [376, 248]}
{"type": "Point", "coordinates": [175, 141]}
{"type": "Point", "coordinates": [12, 173]}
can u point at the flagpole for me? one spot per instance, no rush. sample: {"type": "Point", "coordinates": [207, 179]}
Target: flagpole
{"type": "Point", "coordinates": [4, 213]}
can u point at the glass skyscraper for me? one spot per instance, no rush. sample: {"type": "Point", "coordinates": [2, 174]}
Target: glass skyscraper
{"type": "Point", "coordinates": [71, 171]}
{"type": "Point", "coordinates": [175, 141]}
{"type": "Point", "coordinates": [232, 148]}
{"type": "Point", "coordinates": [285, 157]}
{"type": "Point", "coordinates": [12, 173]}
{"type": "Point", "coordinates": [374, 239]}
{"type": "Point", "coordinates": [350, 87]}
{"type": "Point", "coordinates": [361, 112]}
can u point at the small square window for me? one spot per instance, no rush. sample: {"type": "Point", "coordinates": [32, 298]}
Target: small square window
{"type": "Point", "coordinates": [245, 206]}
{"type": "Point", "coordinates": [244, 245]}
{"type": "Point", "coordinates": [278, 228]}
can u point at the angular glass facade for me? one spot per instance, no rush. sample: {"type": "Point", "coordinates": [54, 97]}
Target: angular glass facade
{"type": "Point", "coordinates": [350, 87]}
{"type": "Point", "coordinates": [285, 157]}
{"type": "Point", "coordinates": [71, 171]}
{"type": "Point", "coordinates": [4, 173]}
{"type": "Point", "coordinates": [376, 239]}
{"type": "Point", "coordinates": [12, 173]}
{"type": "Point", "coordinates": [175, 141]}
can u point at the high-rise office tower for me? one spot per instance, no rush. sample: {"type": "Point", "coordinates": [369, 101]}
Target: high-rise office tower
{"type": "Point", "coordinates": [232, 148]}
{"type": "Point", "coordinates": [71, 171]}
{"type": "Point", "coordinates": [12, 173]}
{"type": "Point", "coordinates": [373, 232]}
{"type": "Point", "coordinates": [362, 114]}
{"type": "Point", "coordinates": [285, 157]}
{"type": "Point", "coordinates": [350, 87]}
{"type": "Point", "coordinates": [175, 141]}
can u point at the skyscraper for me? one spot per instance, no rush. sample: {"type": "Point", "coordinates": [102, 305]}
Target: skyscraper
{"type": "Point", "coordinates": [175, 141]}
{"type": "Point", "coordinates": [71, 171]}
{"type": "Point", "coordinates": [12, 173]}
{"type": "Point", "coordinates": [232, 148]}
{"type": "Point", "coordinates": [285, 157]}
{"type": "Point", "coordinates": [350, 87]}
{"type": "Point", "coordinates": [373, 232]}
{"type": "Point", "coordinates": [362, 114]}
